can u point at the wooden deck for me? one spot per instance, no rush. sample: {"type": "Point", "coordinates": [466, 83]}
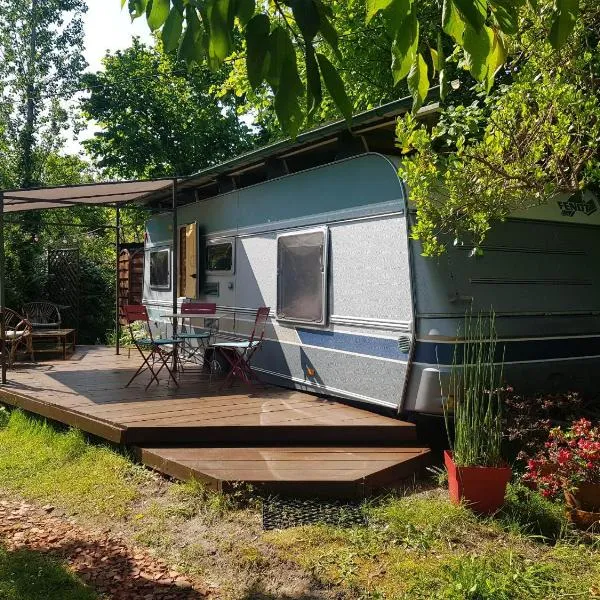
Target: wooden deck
{"type": "Point", "coordinates": [264, 435]}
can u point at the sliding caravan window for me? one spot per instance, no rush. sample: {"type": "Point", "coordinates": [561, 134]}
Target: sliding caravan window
{"type": "Point", "coordinates": [302, 276]}
{"type": "Point", "coordinates": [220, 256]}
{"type": "Point", "coordinates": [160, 269]}
{"type": "Point", "coordinates": [188, 261]}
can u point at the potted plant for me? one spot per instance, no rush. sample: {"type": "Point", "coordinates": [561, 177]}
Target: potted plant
{"type": "Point", "coordinates": [570, 465]}
{"type": "Point", "coordinates": [477, 474]}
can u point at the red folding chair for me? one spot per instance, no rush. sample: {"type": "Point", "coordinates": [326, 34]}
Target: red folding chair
{"type": "Point", "coordinates": [195, 354]}
{"type": "Point", "coordinates": [156, 354]}
{"type": "Point", "coordinates": [239, 354]}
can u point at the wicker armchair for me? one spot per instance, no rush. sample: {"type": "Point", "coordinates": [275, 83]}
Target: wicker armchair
{"type": "Point", "coordinates": [18, 335]}
{"type": "Point", "coordinates": [42, 314]}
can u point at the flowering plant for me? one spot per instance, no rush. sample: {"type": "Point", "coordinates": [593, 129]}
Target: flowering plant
{"type": "Point", "coordinates": [570, 458]}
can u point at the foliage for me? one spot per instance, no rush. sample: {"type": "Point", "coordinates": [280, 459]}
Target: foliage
{"type": "Point", "coordinates": [527, 512]}
{"type": "Point", "coordinates": [40, 462]}
{"type": "Point", "coordinates": [533, 139]}
{"type": "Point", "coordinates": [41, 45]}
{"type": "Point", "coordinates": [364, 65]}
{"type": "Point", "coordinates": [420, 546]}
{"type": "Point", "coordinates": [529, 418]}
{"type": "Point", "coordinates": [571, 457]}
{"type": "Point", "coordinates": [474, 388]}
{"type": "Point", "coordinates": [25, 574]}
{"type": "Point", "coordinates": [205, 32]}
{"type": "Point", "coordinates": [158, 118]}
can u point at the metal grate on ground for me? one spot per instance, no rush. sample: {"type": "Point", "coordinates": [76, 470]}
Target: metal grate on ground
{"type": "Point", "coordinates": [283, 513]}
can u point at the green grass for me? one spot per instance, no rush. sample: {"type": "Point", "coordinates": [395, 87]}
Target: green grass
{"type": "Point", "coordinates": [27, 575]}
{"type": "Point", "coordinates": [43, 463]}
{"type": "Point", "coordinates": [415, 547]}
{"type": "Point", "coordinates": [421, 546]}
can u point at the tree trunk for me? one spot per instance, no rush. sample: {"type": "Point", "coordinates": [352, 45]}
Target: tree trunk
{"type": "Point", "coordinates": [27, 138]}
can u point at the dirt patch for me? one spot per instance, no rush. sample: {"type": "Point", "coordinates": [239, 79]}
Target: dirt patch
{"type": "Point", "coordinates": [110, 565]}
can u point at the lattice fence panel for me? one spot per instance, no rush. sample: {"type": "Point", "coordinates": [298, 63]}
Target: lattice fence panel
{"type": "Point", "coordinates": [64, 283]}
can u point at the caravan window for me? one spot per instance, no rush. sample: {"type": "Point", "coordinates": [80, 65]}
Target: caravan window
{"type": "Point", "coordinates": [302, 276]}
{"type": "Point", "coordinates": [219, 256]}
{"type": "Point", "coordinates": [160, 269]}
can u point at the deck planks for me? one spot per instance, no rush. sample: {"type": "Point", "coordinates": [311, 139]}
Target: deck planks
{"type": "Point", "coordinates": [275, 437]}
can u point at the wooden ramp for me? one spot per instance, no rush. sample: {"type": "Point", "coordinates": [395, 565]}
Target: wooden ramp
{"type": "Point", "coordinates": [273, 437]}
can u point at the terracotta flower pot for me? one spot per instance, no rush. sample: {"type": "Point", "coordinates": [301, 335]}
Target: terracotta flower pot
{"type": "Point", "coordinates": [481, 488]}
{"type": "Point", "coordinates": [584, 519]}
{"type": "Point", "coordinates": [586, 497]}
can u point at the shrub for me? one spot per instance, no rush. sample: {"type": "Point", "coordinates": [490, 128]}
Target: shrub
{"type": "Point", "coordinates": [570, 458]}
{"type": "Point", "coordinates": [528, 419]}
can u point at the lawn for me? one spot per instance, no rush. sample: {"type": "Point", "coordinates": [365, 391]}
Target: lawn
{"type": "Point", "coordinates": [415, 546]}
{"type": "Point", "coordinates": [26, 575]}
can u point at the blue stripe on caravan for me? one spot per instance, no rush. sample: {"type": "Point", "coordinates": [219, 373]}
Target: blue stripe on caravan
{"type": "Point", "coordinates": [515, 350]}
{"type": "Point", "coordinates": [348, 342]}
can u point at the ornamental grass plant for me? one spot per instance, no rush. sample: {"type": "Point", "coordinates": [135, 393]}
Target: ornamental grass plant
{"type": "Point", "coordinates": [475, 388]}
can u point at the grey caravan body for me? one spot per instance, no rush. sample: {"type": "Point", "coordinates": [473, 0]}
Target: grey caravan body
{"type": "Point", "coordinates": [356, 311]}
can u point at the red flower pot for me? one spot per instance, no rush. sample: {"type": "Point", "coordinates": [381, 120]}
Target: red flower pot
{"type": "Point", "coordinates": [586, 497]}
{"type": "Point", "coordinates": [481, 488]}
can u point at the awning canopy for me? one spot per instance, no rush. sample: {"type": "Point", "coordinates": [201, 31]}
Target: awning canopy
{"type": "Point", "coordinates": [93, 194]}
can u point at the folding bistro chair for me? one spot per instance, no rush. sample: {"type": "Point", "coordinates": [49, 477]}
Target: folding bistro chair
{"type": "Point", "coordinates": [239, 354]}
{"type": "Point", "coordinates": [156, 354]}
{"type": "Point", "coordinates": [195, 354]}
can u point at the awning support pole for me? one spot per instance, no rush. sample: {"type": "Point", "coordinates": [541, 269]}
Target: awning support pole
{"type": "Point", "coordinates": [174, 264]}
{"type": "Point", "coordinates": [117, 282]}
{"type": "Point", "coordinates": [2, 294]}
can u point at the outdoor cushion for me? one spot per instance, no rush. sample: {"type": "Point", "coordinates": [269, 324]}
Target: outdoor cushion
{"type": "Point", "coordinates": [161, 342]}
{"type": "Point", "coordinates": [11, 333]}
{"type": "Point", "coordinates": [194, 336]}
{"type": "Point", "coordinates": [237, 344]}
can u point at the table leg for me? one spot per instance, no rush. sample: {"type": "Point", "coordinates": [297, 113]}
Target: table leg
{"type": "Point", "coordinates": [64, 346]}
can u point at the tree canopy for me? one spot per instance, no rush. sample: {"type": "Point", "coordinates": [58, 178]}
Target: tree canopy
{"type": "Point", "coordinates": [534, 138]}
{"type": "Point", "coordinates": [204, 32]}
{"type": "Point", "coordinates": [41, 45]}
{"type": "Point", "coordinates": [158, 118]}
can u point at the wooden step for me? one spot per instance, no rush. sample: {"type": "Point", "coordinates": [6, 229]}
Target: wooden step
{"type": "Point", "coordinates": [308, 471]}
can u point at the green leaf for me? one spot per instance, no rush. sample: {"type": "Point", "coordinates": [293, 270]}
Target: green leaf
{"type": "Point", "coordinates": [452, 22]}
{"type": "Point", "coordinates": [245, 10]}
{"type": "Point", "coordinates": [280, 47]}
{"type": "Point", "coordinates": [314, 92]}
{"type": "Point", "coordinates": [374, 6]}
{"type": "Point", "coordinates": [473, 12]}
{"type": "Point", "coordinates": [158, 13]}
{"type": "Point", "coordinates": [477, 45]}
{"type": "Point", "coordinates": [219, 33]}
{"type": "Point", "coordinates": [257, 39]}
{"type": "Point", "coordinates": [190, 48]}
{"type": "Point", "coordinates": [418, 82]}
{"type": "Point", "coordinates": [171, 32]}
{"type": "Point", "coordinates": [564, 17]}
{"type": "Point", "coordinates": [335, 86]}
{"type": "Point", "coordinates": [396, 16]}
{"type": "Point", "coordinates": [434, 59]}
{"type": "Point", "coordinates": [327, 30]}
{"type": "Point", "coordinates": [307, 18]}
{"type": "Point", "coordinates": [495, 60]}
{"type": "Point", "coordinates": [137, 8]}
{"type": "Point", "coordinates": [287, 97]}
{"type": "Point", "coordinates": [123, 2]}
{"type": "Point", "coordinates": [506, 13]}
{"type": "Point", "coordinates": [404, 47]}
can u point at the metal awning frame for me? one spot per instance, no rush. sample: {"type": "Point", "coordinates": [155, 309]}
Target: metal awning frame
{"type": "Point", "coordinates": [70, 196]}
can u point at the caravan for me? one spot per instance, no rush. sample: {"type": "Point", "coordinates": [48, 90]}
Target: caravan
{"type": "Point", "coordinates": [319, 230]}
